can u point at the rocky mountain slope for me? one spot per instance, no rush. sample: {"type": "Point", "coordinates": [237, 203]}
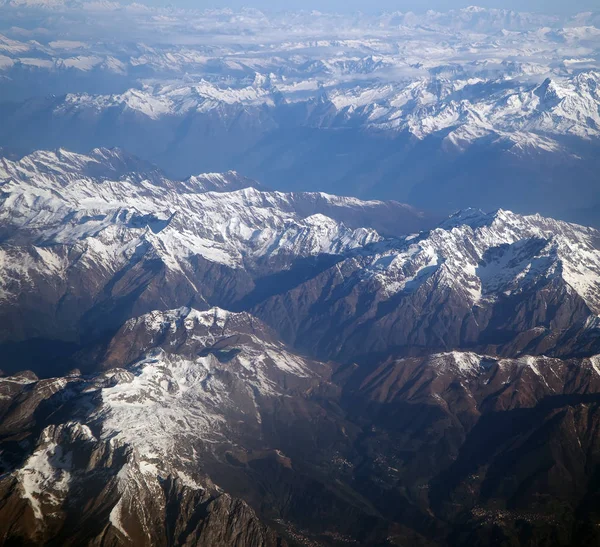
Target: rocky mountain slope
{"type": "Point", "coordinates": [211, 362]}
{"type": "Point", "coordinates": [86, 243]}
{"type": "Point", "coordinates": [500, 282]}
{"type": "Point", "coordinates": [424, 450]}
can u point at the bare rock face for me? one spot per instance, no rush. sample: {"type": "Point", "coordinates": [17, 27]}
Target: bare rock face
{"type": "Point", "coordinates": [75, 489]}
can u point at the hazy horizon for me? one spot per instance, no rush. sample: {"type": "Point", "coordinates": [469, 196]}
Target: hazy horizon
{"type": "Point", "coordinates": [543, 6]}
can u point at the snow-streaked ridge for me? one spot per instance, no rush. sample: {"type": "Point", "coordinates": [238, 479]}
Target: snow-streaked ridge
{"type": "Point", "coordinates": [483, 256]}
{"type": "Point", "coordinates": [53, 199]}
{"type": "Point", "coordinates": [207, 370]}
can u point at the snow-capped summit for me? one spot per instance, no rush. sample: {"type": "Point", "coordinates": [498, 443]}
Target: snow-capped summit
{"type": "Point", "coordinates": [219, 182]}
{"type": "Point", "coordinates": [189, 374]}
{"type": "Point", "coordinates": [68, 234]}
{"type": "Point", "coordinates": [499, 280]}
{"type": "Point", "coordinates": [58, 168]}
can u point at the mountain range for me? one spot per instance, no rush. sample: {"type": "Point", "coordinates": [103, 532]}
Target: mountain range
{"type": "Point", "coordinates": [214, 362]}
{"type": "Point", "coordinates": [476, 107]}
{"type": "Point", "coordinates": [298, 279]}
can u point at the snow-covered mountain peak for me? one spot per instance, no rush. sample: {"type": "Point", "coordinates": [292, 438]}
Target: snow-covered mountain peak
{"type": "Point", "coordinates": [225, 322]}
{"type": "Point", "coordinates": [219, 182]}
{"type": "Point", "coordinates": [550, 93]}
{"type": "Point", "coordinates": [470, 216]}
{"type": "Point", "coordinates": [465, 363]}
{"type": "Point", "coordinates": [485, 255]}
{"type": "Point", "coordinates": [63, 224]}
{"type": "Point", "coordinates": [62, 167]}
{"type": "Point", "coordinates": [191, 375]}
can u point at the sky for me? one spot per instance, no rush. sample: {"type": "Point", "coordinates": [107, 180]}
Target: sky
{"type": "Point", "coordinates": [548, 6]}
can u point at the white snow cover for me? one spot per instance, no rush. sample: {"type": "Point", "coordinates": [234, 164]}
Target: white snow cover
{"type": "Point", "coordinates": [44, 478]}
{"type": "Point", "coordinates": [540, 375]}
{"type": "Point", "coordinates": [51, 198]}
{"type": "Point", "coordinates": [482, 256]}
{"type": "Point", "coordinates": [167, 398]}
{"type": "Point", "coordinates": [465, 363]}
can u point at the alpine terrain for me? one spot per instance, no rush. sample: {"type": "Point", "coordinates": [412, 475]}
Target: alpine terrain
{"type": "Point", "coordinates": [299, 278]}
{"type": "Point", "coordinates": [210, 362]}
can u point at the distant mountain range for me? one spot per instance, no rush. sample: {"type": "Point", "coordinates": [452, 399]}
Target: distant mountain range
{"type": "Point", "coordinates": [439, 144]}
{"type": "Point", "coordinates": [475, 108]}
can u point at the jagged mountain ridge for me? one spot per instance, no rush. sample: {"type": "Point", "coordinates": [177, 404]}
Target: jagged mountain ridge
{"type": "Point", "coordinates": [471, 109]}
{"type": "Point", "coordinates": [196, 424]}
{"type": "Point", "coordinates": [498, 282]}
{"type": "Point", "coordinates": [525, 116]}
{"type": "Point", "coordinates": [87, 235]}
